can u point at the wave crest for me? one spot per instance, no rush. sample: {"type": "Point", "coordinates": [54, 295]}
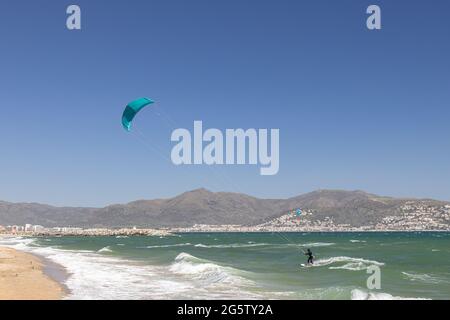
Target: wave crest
{"type": "Point", "coordinates": [318, 244]}
{"type": "Point", "coordinates": [423, 277]}
{"type": "Point", "coordinates": [204, 270]}
{"type": "Point", "coordinates": [232, 245]}
{"type": "Point", "coordinates": [358, 294]}
{"type": "Point", "coordinates": [353, 264]}
{"type": "Point", "coordinates": [169, 245]}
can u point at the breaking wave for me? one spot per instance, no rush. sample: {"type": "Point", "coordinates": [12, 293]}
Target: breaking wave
{"type": "Point", "coordinates": [317, 244]}
{"type": "Point", "coordinates": [206, 271]}
{"type": "Point", "coordinates": [353, 264]}
{"type": "Point", "coordinates": [358, 294]}
{"type": "Point", "coordinates": [95, 276]}
{"type": "Point", "coordinates": [423, 277]}
{"type": "Point", "coordinates": [105, 249]}
{"type": "Point", "coordinates": [233, 245]}
{"type": "Point", "coordinates": [169, 245]}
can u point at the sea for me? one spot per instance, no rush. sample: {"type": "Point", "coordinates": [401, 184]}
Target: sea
{"type": "Point", "coordinates": [411, 265]}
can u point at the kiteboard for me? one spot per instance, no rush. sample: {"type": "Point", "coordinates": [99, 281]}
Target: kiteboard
{"type": "Point", "coordinates": [306, 265]}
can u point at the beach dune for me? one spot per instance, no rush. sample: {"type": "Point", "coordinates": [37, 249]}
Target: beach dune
{"type": "Point", "coordinates": [22, 278]}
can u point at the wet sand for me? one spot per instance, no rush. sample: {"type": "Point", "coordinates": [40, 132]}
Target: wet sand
{"type": "Point", "coordinates": [22, 277]}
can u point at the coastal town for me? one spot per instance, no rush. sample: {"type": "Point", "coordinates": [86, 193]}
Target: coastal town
{"type": "Point", "coordinates": [37, 230]}
{"type": "Point", "coordinates": [412, 216]}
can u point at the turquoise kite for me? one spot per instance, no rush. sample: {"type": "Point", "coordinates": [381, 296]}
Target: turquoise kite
{"type": "Point", "coordinates": [132, 109]}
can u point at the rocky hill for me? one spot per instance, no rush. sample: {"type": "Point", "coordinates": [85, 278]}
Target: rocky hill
{"type": "Point", "coordinates": [345, 208]}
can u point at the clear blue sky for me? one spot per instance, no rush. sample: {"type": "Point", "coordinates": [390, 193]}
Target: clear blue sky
{"type": "Point", "coordinates": [356, 109]}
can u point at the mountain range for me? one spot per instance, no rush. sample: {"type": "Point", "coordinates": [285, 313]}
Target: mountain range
{"type": "Point", "coordinates": [354, 208]}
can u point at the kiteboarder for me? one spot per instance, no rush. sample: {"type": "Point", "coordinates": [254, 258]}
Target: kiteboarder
{"type": "Point", "coordinates": [310, 256]}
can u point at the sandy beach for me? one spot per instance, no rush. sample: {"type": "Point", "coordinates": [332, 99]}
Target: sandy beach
{"type": "Point", "coordinates": [22, 278]}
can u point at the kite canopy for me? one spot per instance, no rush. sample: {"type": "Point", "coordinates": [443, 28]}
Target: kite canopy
{"type": "Point", "coordinates": [297, 212]}
{"type": "Point", "coordinates": [132, 109]}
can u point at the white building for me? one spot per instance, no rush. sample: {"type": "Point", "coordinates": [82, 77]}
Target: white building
{"type": "Point", "coordinates": [38, 228]}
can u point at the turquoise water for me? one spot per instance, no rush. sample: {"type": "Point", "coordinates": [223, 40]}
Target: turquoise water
{"type": "Point", "coordinates": [251, 265]}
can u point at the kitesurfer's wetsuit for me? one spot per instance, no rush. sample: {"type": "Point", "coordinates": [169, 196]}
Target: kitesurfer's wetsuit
{"type": "Point", "coordinates": [310, 256]}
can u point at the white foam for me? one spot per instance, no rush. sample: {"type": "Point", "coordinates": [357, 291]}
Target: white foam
{"type": "Point", "coordinates": [424, 277]}
{"type": "Point", "coordinates": [105, 249]}
{"type": "Point", "coordinates": [186, 264]}
{"type": "Point", "coordinates": [232, 245]}
{"type": "Point", "coordinates": [19, 243]}
{"type": "Point", "coordinates": [353, 264]}
{"type": "Point", "coordinates": [100, 277]}
{"type": "Point", "coordinates": [317, 244]}
{"type": "Point", "coordinates": [169, 245]}
{"type": "Point", "coordinates": [358, 294]}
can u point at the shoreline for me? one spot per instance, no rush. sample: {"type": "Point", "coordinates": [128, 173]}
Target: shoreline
{"type": "Point", "coordinates": [175, 231]}
{"type": "Point", "coordinates": [25, 276]}
{"type": "Point", "coordinates": [55, 272]}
